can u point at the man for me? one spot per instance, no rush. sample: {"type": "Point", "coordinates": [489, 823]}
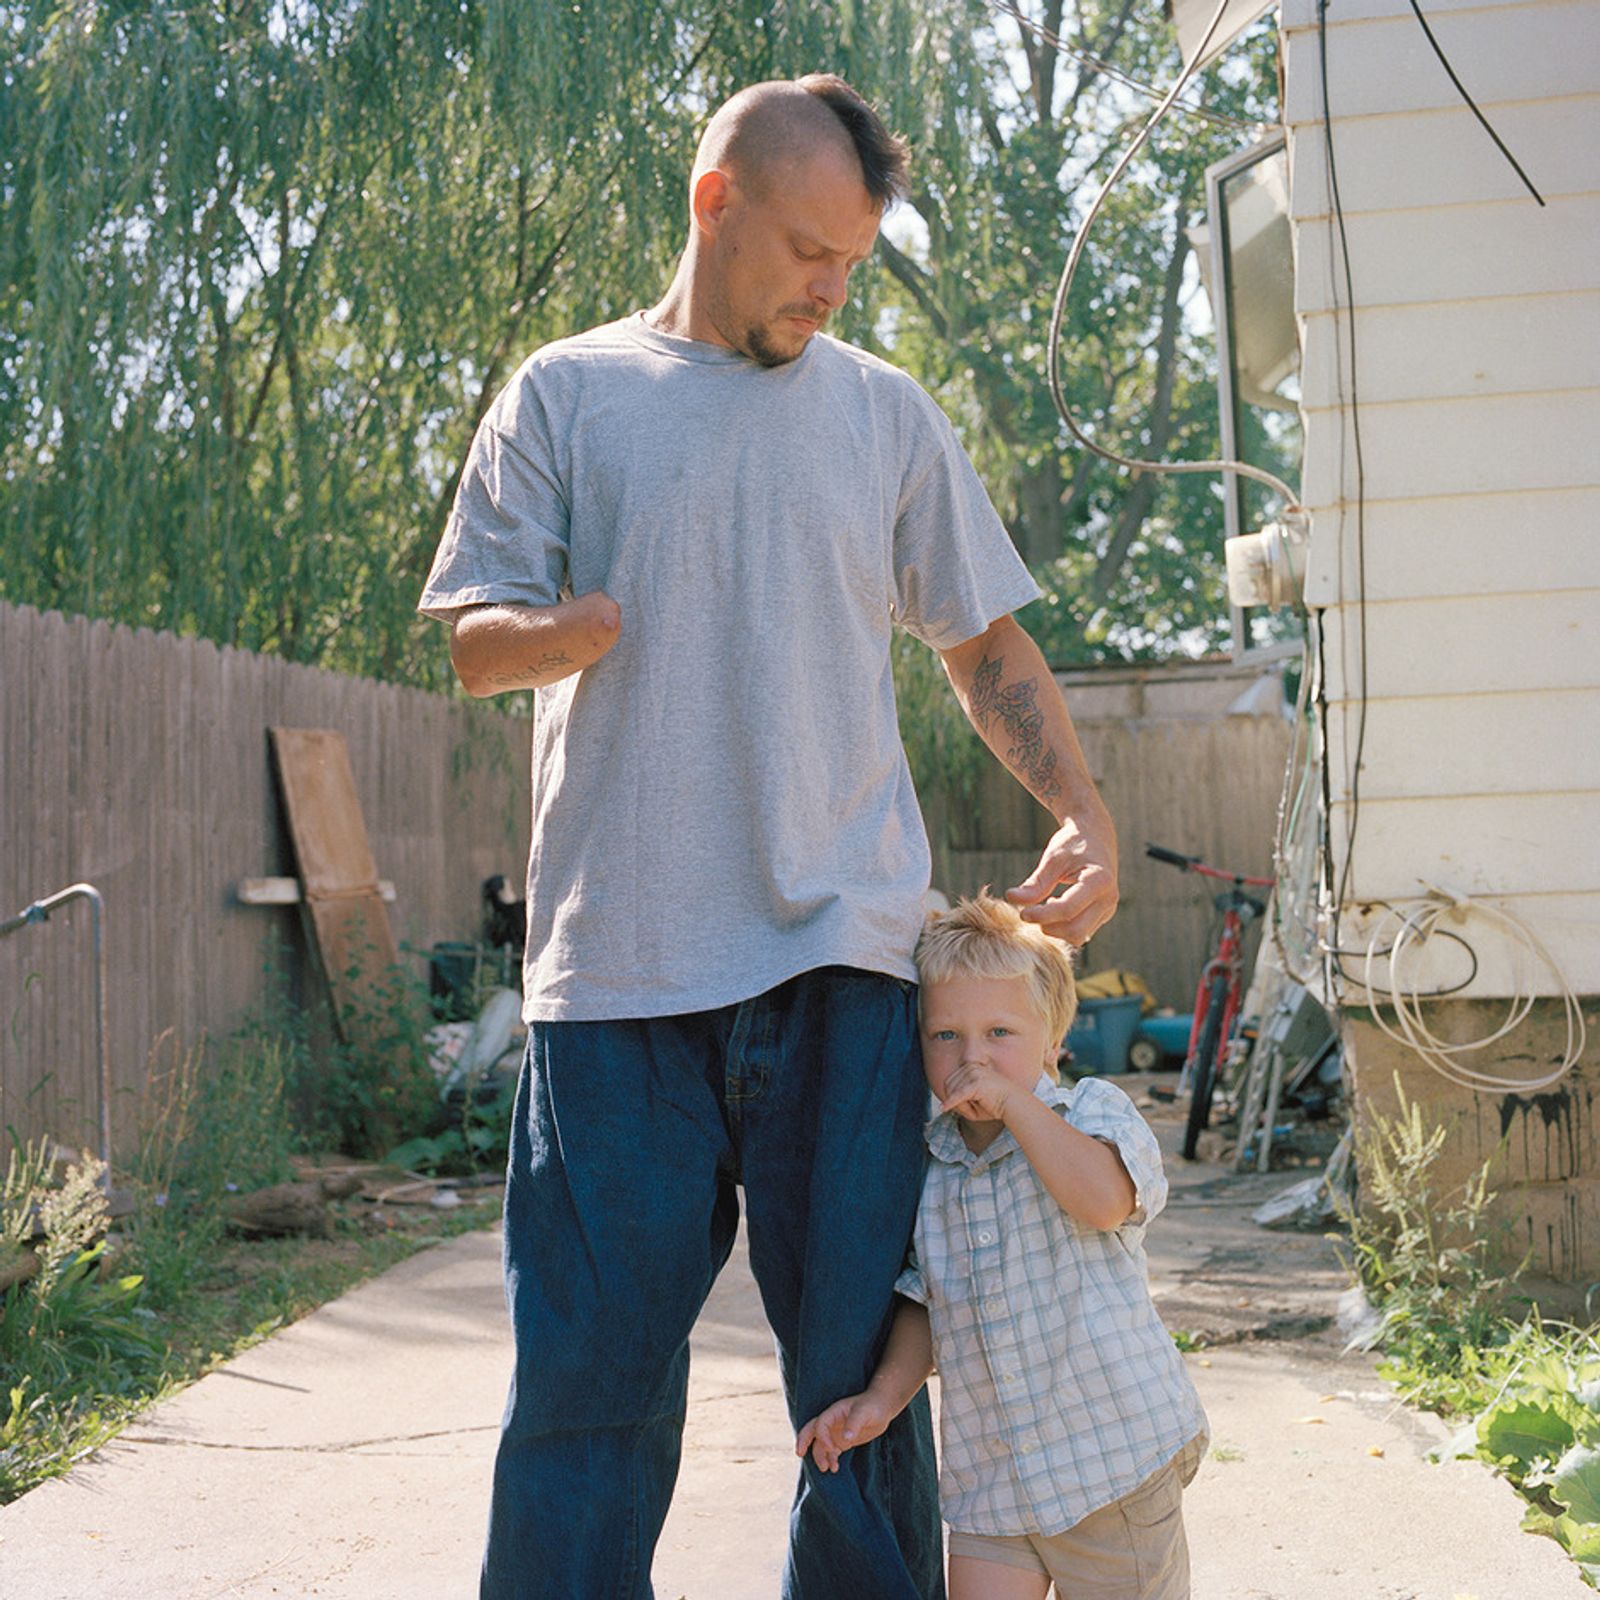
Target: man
{"type": "Point", "coordinates": [692, 531]}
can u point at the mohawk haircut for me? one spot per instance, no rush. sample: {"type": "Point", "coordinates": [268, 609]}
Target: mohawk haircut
{"type": "Point", "coordinates": [885, 157]}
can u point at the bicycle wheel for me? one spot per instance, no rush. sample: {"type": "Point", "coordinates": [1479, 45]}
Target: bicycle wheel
{"type": "Point", "coordinates": [1204, 1077]}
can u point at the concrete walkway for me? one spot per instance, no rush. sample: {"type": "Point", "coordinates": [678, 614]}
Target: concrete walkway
{"type": "Point", "coordinates": [348, 1457]}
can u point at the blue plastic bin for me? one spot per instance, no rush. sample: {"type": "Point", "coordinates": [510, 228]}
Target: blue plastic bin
{"type": "Point", "coordinates": [1103, 1031]}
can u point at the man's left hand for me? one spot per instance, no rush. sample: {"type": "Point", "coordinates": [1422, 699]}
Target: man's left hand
{"type": "Point", "coordinates": [1083, 857]}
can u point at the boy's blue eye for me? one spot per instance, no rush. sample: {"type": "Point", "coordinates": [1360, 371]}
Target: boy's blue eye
{"type": "Point", "coordinates": [945, 1033]}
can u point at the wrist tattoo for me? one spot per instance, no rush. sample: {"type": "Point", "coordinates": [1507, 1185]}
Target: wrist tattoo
{"type": "Point", "coordinates": [1016, 707]}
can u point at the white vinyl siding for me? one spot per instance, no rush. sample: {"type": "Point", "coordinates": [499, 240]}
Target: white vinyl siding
{"type": "Point", "coordinates": [1478, 369]}
{"type": "Point", "coordinates": [1383, 65]}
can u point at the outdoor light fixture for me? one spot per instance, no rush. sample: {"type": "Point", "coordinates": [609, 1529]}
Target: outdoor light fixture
{"type": "Point", "coordinates": [1192, 19]}
{"type": "Point", "coordinates": [1268, 567]}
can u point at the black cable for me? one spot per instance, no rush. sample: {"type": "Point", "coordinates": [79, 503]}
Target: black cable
{"type": "Point", "coordinates": [1472, 105]}
{"type": "Point", "coordinates": [1361, 475]}
{"type": "Point", "coordinates": [1384, 955]}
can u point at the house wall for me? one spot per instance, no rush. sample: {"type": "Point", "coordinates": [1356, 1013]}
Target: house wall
{"type": "Point", "coordinates": [1475, 570]}
{"type": "Point", "coordinates": [1478, 375]}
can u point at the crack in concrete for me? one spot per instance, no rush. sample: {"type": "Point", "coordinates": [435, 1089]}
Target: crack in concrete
{"type": "Point", "coordinates": [334, 1449]}
{"type": "Point", "coordinates": [1275, 1330]}
{"type": "Point", "coordinates": [345, 1446]}
{"type": "Point", "coordinates": [735, 1394]}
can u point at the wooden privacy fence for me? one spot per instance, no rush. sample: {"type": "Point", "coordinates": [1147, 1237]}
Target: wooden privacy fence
{"type": "Point", "coordinates": [138, 761]}
{"type": "Point", "coordinates": [1176, 767]}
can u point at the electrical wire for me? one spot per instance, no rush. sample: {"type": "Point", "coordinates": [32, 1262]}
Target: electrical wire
{"type": "Point", "coordinates": [1353, 405]}
{"type": "Point", "coordinates": [1058, 310]}
{"type": "Point", "coordinates": [1419, 921]}
{"type": "Point", "coordinates": [1221, 118]}
{"type": "Point", "coordinates": [1371, 954]}
{"type": "Point", "coordinates": [1472, 105]}
{"type": "Point", "coordinates": [1291, 801]}
{"type": "Point", "coordinates": [1284, 870]}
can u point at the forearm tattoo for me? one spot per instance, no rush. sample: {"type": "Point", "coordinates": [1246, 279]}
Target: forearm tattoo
{"type": "Point", "coordinates": [550, 661]}
{"type": "Point", "coordinates": [1015, 705]}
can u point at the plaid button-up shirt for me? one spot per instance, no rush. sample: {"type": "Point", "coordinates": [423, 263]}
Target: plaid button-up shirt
{"type": "Point", "coordinates": [1060, 1388]}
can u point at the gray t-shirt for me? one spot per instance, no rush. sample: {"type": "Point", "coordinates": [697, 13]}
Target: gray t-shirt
{"type": "Point", "coordinates": [722, 801]}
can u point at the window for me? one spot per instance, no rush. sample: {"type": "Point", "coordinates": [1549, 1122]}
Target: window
{"type": "Point", "coordinates": [1250, 280]}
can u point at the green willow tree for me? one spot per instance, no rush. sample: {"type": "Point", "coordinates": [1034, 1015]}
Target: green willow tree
{"type": "Point", "coordinates": [1131, 566]}
{"type": "Point", "coordinates": [262, 267]}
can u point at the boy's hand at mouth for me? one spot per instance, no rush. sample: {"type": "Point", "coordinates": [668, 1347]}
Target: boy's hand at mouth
{"type": "Point", "coordinates": [978, 1093]}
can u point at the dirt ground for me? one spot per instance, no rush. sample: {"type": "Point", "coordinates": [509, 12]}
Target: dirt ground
{"type": "Point", "coordinates": [1214, 1272]}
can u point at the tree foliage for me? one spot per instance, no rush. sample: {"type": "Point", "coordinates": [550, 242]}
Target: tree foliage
{"type": "Point", "coordinates": [1130, 566]}
{"type": "Point", "coordinates": [262, 267]}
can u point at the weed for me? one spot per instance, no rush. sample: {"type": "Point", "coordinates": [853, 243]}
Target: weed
{"type": "Point", "coordinates": [1530, 1389]}
{"type": "Point", "coordinates": [211, 1121]}
{"type": "Point", "coordinates": [477, 1136]}
{"type": "Point", "coordinates": [1421, 1253]}
{"type": "Point", "coordinates": [361, 1089]}
{"type": "Point", "coordinates": [82, 1352]}
{"type": "Point", "coordinates": [1540, 1428]}
{"type": "Point", "coordinates": [84, 1344]}
{"type": "Point", "coordinates": [381, 1086]}
{"type": "Point", "coordinates": [76, 1346]}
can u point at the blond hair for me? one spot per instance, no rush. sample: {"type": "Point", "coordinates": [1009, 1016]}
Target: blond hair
{"type": "Point", "coordinates": [986, 938]}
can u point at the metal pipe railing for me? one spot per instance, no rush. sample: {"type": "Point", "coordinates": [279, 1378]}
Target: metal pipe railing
{"type": "Point", "coordinates": [40, 911]}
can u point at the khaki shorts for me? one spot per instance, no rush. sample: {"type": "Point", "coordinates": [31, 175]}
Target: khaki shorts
{"type": "Point", "coordinates": [1132, 1549]}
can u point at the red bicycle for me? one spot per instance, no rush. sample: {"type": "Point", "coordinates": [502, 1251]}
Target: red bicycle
{"type": "Point", "coordinates": [1217, 996]}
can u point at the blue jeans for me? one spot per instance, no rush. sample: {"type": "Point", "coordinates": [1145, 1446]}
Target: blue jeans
{"type": "Point", "coordinates": [629, 1142]}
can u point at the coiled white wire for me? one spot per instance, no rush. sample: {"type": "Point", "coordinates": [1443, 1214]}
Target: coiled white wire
{"type": "Point", "coordinates": [1417, 920]}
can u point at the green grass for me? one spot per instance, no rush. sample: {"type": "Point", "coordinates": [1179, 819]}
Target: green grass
{"type": "Point", "coordinates": [112, 1321]}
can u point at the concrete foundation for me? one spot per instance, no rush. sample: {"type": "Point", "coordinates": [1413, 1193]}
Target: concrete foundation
{"type": "Point", "coordinates": [1543, 1147]}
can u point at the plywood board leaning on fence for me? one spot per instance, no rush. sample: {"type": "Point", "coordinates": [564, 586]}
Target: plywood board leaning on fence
{"type": "Point", "coordinates": [339, 889]}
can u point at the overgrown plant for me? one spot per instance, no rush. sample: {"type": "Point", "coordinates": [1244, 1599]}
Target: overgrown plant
{"type": "Point", "coordinates": [362, 1089]}
{"type": "Point", "coordinates": [477, 1137]}
{"type": "Point", "coordinates": [85, 1344]}
{"type": "Point", "coordinates": [76, 1347]}
{"type": "Point", "coordinates": [1541, 1430]}
{"type": "Point", "coordinates": [229, 407]}
{"type": "Point", "coordinates": [1530, 1389]}
{"type": "Point", "coordinates": [1420, 1249]}
{"type": "Point", "coordinates": [214, 1119]}
{"type": "Point", "coordinates": [380, 1086]}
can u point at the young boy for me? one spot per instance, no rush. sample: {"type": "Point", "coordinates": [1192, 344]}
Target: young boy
{"type": "Point", "coordinates": [1069, 1425]}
